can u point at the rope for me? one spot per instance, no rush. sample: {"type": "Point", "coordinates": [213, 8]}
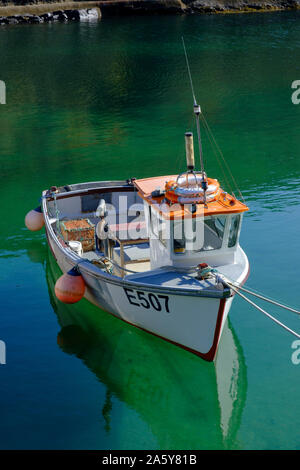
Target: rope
{"type": "Point", "coordinates": [266, 313]}
{"type": "Point", "coordinates": [189, 71]}
{"type": "Point", "coordinates": [209, 271]}
{"type": "Point", "coordinates": [118, 266]}
{"type": "Point", "coordinates": [255, 291]}
{"type": "Point", "coordinates": [258, 294]}
{"type": "Point", "coordinates": [227, 183]}
{"type": "Point", "coordinates": [222, 156]}
{"type": "Point", "coordinates": [107, 269]}
{"type": "Point", "coordinates": [266, 299]}
{"type": "Point", "coordinates": [210, 135]}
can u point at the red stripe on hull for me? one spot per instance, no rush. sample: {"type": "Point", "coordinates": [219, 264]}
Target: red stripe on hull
{"type": "Point", "coordinates": [209, 356]}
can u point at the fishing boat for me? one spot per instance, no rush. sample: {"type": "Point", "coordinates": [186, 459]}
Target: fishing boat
{"type": "Point", "coordinates": [154, 252]}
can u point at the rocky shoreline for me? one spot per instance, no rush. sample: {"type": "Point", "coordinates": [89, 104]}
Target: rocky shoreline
{"type": "Point", "coordinates": [92, 14]}
{"type": "Point", "coordinates": [23, 11]}
{"type": "Point", "coordinates": [37, 12]}
{"type": "Point", "coordinates": [243, 6]}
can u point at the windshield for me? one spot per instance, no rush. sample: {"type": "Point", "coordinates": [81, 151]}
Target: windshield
{"type": "Point", "coordinates": [197, 235]}
{"type": "Point", "coordinates": [234, 230]}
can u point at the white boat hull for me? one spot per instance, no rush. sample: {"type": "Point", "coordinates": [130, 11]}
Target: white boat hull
{"type": "Point", "coordinates": [188, 315]}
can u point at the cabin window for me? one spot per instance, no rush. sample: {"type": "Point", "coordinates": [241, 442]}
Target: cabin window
{"type": "Point", "coordinates": [234, 230]}
{"type": "Point", "coordinates": [178, 237]}
{"type": "Point", "coordinates": [195, 235]}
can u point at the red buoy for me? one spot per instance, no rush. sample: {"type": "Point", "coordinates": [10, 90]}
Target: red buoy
{"type": "Point", "coordinates": [34, 220]}
{"type": "Point", "coordinates": [70, 287]}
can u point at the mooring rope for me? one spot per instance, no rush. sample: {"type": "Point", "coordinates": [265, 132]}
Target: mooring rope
{"type": "Point", "coordinates": [208, 271]}
{"type": "Point", "coordinates": [267, 299]}
{"type": "Point", "coordinates": [117, 265]}
{"type": "Point", "coordinates": [264, 312]}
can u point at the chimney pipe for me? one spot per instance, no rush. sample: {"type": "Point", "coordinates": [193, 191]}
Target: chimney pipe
{"type": "Point", "coordinates": [189, 149]}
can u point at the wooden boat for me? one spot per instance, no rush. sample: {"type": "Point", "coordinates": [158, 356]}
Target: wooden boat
{"type": "Point", "coordinates": [151, 281]}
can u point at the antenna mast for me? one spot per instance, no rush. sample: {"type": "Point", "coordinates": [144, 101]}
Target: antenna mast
{"type": "Point", "coordinates": [197, 111]}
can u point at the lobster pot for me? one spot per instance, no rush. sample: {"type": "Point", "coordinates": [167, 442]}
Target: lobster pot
{"type": "Point", "coordinates": [81, 230]}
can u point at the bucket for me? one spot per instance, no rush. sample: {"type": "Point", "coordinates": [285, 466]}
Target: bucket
{"type": "Point", "coordinates": [76, 246]}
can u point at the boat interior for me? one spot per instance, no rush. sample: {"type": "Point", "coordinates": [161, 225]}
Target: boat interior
{"type": "Point", "coordinates": [124, 213]}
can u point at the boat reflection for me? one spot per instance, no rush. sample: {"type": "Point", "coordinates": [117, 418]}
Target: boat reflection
{"type": "Point", "coordinates": [186, 402]}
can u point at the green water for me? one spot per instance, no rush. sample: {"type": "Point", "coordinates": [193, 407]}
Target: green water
{"type": "Point", "coordinates": [112, 100]}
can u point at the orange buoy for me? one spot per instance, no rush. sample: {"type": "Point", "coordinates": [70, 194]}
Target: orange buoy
{"type": "Point", "coordinates": [70, 287]}
{"type": "Point", "coordinates": [34, 220]}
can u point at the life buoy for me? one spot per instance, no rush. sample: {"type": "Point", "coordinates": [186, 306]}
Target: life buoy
{"type": "Point", "coordinates": [188, 190]}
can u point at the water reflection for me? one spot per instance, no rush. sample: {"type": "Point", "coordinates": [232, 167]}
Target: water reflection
{"type": "Point", "coordinates": [186, 402]}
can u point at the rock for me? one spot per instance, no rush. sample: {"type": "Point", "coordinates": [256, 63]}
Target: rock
{"type": "Point", "coordinates": [12, 20]}
{"type": "Point", "coordinates": [27, 18]}
{"type": "Point", "coordinates": [47, 17]}
{"type": "Point", "coordinates": [94, 14]}
{"type": "Point", "coordinates": [91, 14]}
{"type": "Point", "coordinates": [37, 19]}
{"type": "Point", "coordinates": [20, 19]}
{"type": "Point", "coordinates": [59, 15]}
{"type": "Point", "coordinates": [255, 6]}
{"type": "Point", "coordinates": [73, 15]}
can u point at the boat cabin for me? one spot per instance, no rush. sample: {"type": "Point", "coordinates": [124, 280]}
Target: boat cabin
{"type": "Point", "coordinates": [184, 233]}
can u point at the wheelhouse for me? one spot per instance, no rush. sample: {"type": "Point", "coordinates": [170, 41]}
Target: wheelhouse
{"type": "Point", "coordinates": [188, 234]}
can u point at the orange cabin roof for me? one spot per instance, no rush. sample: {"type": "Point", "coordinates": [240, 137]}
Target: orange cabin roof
{"type": "Point", "coordinates": [223, 203]}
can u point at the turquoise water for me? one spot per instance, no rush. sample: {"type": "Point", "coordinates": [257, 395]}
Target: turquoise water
{"type": "Point", "coordinates": [112, 100]}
